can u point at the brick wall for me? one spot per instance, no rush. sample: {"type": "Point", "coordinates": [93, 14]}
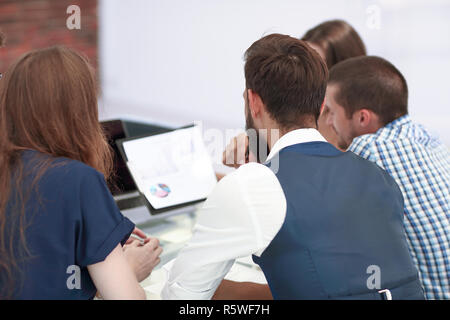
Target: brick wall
{"type": "Point", "coordinates": [32, 24]}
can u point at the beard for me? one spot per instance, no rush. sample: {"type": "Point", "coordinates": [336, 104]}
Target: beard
{"type": "Point", "coordinates": [249, 124]}
{"type": "Point", "coordinates": [344, 141]}
{"type": "Point", "coordinates": [257, 143]}
{"type": "Point", "coordinates": [342, 144]}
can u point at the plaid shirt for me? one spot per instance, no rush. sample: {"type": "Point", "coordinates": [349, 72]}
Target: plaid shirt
{"type": "Point", "coordinates": [420, 164]}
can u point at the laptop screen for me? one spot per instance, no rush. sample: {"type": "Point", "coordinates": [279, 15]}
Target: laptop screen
{"type": "Point", "coordinates": [171, 168]}
{"type": "Point", "coordinates": [122, 181]}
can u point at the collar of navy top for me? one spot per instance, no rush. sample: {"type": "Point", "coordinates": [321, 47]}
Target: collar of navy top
{"type": "Point", "coordinates": [295, 137]}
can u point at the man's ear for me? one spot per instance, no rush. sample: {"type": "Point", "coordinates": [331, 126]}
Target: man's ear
{"type": "Point", "coordinates": [322, 106]}
{"type": "Point", "coordinates": [364, 117]}
{"type": "Point", "coordinates": [254, 102]}
{"type": "Point", "coordinates": [367, 119]}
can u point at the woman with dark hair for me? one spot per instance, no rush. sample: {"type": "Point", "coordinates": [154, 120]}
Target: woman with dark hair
{"type": "Point", "coordinates": [61, 233]}
{"type": "Point", "coordinates": [335, 41]}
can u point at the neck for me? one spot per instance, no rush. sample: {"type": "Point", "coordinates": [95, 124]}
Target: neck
{"type": "Point", "coordinates": [374, 127]}
{"type": "Point", "coordinates": [274, 133]}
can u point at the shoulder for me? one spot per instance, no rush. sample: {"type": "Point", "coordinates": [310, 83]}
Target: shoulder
{"type": "Point", "coordinates": [62, 169]}
{"type": "Point", "coordinates": [250, 184]}
{"type": "Point", "coordinates": [363, 145]}
{"type": "Point", "coordinates": [250, 175]}
{"type": "Point", "coordinates": [74, 169]}
{"type": "Point", "coordinates": [372, 168]}
{"type": "Point", "coordinates": [248, 201]}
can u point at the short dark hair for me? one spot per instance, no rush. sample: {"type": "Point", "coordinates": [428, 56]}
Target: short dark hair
{"type": "Point", "coordinates": [338, 39]}
{"type": "Point", "coordinates": [370, 83]}
{"type": "Point", "coordinates": [289, 76]}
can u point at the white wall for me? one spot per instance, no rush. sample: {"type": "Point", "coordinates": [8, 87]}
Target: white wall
{"type": "Point", "coordinates": [176, 61]}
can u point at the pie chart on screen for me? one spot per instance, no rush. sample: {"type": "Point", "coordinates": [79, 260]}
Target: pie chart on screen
{"type": "Point", "coordinates": [160, 190]}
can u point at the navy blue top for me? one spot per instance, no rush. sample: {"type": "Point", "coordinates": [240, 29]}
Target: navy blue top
{"type": "Point", "coordinates": [73, 222]}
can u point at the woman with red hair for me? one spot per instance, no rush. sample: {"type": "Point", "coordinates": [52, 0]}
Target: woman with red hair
{"type": "Point", "coordinates": [61, 233]}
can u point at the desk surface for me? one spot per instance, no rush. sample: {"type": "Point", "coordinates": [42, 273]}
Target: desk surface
{"type": "Point", "coordinates": [173, 233]}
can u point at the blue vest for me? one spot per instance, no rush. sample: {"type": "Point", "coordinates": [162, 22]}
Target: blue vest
{"type": "Point", "coordinates": [343, 232]}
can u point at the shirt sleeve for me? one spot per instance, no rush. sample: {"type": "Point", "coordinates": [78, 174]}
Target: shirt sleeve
{"type": "Point", "coordinates": [241, 217]}
{"type": "Point", "coordinates": [101, 225]}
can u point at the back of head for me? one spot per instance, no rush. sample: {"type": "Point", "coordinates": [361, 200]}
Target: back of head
{"type": "Point", "coordinates": [338, 40]}
{"type": "Point", "coordinates": [48, 102]}
{"type": "Point", "coordinates": [289, 76]}
{"type": "Point", "coordinates": [370, 83]}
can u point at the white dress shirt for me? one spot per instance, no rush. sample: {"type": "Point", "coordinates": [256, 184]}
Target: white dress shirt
{"type": "Point", "coordinates": [241, 217]}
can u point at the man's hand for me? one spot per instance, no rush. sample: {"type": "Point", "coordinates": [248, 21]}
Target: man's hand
{"type": "Point", "coordinates": [236, 153]}
{"type": "Point", "coordinates": [143, 257]}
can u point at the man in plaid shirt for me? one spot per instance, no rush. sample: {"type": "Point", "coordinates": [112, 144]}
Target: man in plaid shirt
{"type": "Point", "coordinates": [367, 98]}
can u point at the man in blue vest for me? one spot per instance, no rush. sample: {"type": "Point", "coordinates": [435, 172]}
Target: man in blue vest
{"type": "Point", "coordinates": [321, 223]}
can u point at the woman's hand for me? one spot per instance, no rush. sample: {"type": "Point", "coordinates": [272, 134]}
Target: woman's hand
{"type": "Point", "coordinates": [143, 257]}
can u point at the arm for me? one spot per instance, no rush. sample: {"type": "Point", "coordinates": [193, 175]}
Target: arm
{"type": "Point", "coordinates": [114, 278]}
{"type": "Point", "coordinates": [99, 249]}
{"type": "Point", "coordinates": [227, 230]}
{"type": "Point", "coordinates": [232, 290]}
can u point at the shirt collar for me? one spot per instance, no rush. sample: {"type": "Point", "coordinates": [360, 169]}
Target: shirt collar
{"type": "Point", "coordinates": [400, 121]}
{"type": "Point", "coordinates": [295, 137]}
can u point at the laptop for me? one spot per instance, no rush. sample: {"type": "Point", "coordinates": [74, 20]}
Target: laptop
{"type": "Point", "coordinates": [122, 186]}
{"type": "Point", "coordinates": [172, 170]}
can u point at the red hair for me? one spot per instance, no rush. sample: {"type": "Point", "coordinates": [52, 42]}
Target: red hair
{"type": "Point", "coordinates": [48, 103]}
